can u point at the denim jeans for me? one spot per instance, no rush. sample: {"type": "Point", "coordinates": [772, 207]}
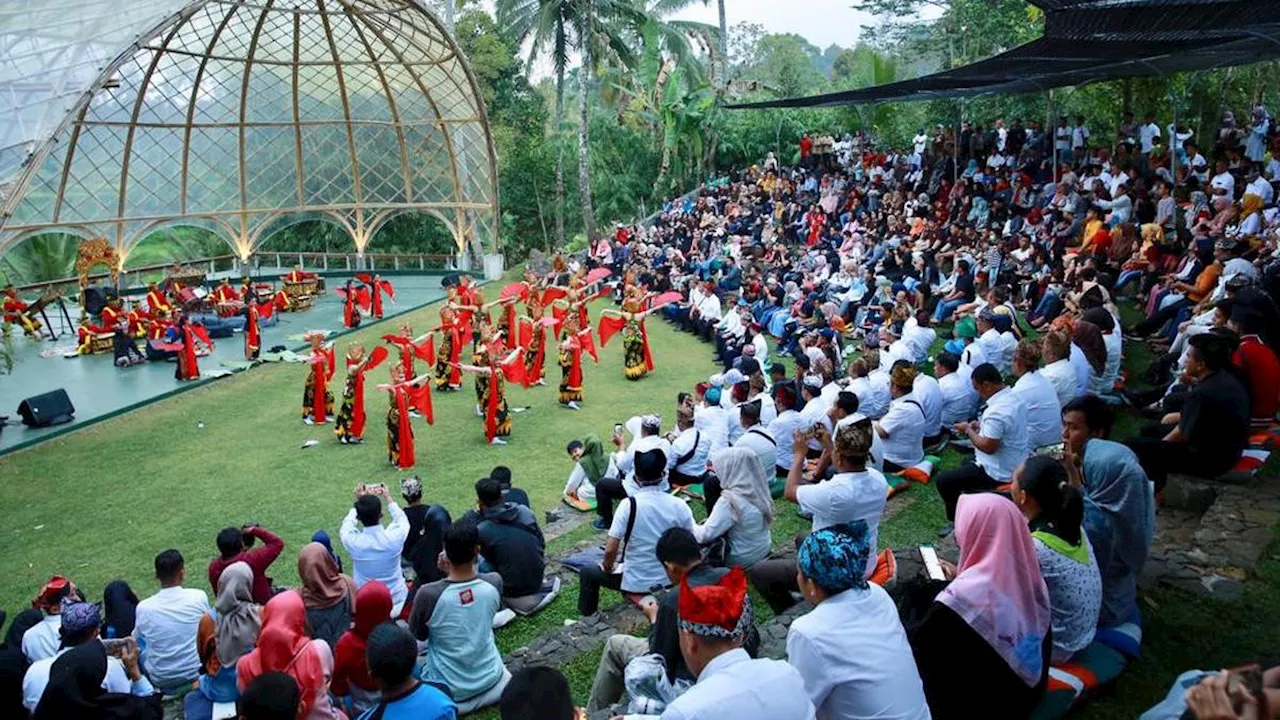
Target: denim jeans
{"type": "Point", "coordinates": [945, 308]}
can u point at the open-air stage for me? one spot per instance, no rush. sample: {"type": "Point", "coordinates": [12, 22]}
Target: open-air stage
{"type": "Point", "coordinates": [99, 390]}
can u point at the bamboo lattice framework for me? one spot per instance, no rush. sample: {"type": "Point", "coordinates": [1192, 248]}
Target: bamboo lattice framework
{"type": "Point", "coordinates": [242, 117]}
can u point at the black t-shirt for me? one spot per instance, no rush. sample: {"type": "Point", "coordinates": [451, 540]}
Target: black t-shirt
{"type": "Point", "coordinates": [1215, 420]}
{"type": "Point", "coordinates": [417, 515]}
{"type": "Point", "coordinates": [964, 284]}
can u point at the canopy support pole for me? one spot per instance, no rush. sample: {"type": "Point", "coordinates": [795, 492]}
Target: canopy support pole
{"type": "Point", "coordinates": [1174, 146]}
{"type": "Point", "coordinates": [1051, 131]}
{"type": "Point", "coordinates": [955, 145]}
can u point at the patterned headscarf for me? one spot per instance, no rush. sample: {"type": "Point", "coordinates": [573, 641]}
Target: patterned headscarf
{"type": "Point", "coordinates": [836, 557]}
{"type": "Point", "coordinates": [80, 616]}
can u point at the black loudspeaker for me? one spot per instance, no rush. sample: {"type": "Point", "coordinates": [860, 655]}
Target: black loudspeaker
{"type": "Point", "coordinates": [95, 298]}
{"type": "Point", "coordinates": [51, 408]}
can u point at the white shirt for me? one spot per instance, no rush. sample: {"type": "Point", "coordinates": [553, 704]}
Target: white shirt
{"type": "Point", "coordinates": [959, 399]}
{"type": "Point", "coordinates": [1147, 135]}
{"type": "Point", "coordinates": [1080, 364]}
{"type": "Point", "coordinates": [1262, 189]}
{"type": "Point", "coordinates": [749, 538]}
{"type": "Point", "coordinates": [708, 307]}
{"type": "Point", "coordinates": [625, 460]}
{"type": "Point", "coordinates": [761, 344]}
{"type": "Point", "coordinates": [375, 552]}
{"type": "Point", "coordinates": [1224, 181]}
{"type": "Point", "coordinates": [43, 639]}
{"type": "Point", "coordinates": [710, 421]}
{"type": "Point", "coordinates": [847, 497]}
{"type": "Point", "coordinates": [973, 356]}
{"type": "Point", "coordinates": [693, 443]}
{"type": "Point", "coordinates": [854, 657]}
{"type": "Point", "coordinates": [992, 345]}
{"type": "Point", "coordinates": [1111, 370]}
{"type": "Point", "coordinates": [1005, 419]}
{"type": "Point", "coordinates": [579, 484]}
{"type": "Point", "coordinates": [656, 512]}
{"type": "Point", "coordinates": [815, 413]}
{"type": "Point", "coordinates": [1079, 136]}
{"type": "Point", "coordinates": [876, 461]}
{"type": "Point", "coordinates": [873, 394]}
{"type": "Point", "coordinates": [768, 408]}
{"type": "Point", "coordinates": [783, 429]}
{"type": "Point", "coordinates": [115, 681]}
{"type": "Point", "coordinates": [928, 393]}
{"type": "Point", "coordinates": [904, 424]}
{"type": "Point", "coordinates": [734, 687]}
{"type": "Point", "coordinates": [1044, 412]}
{"type": "Point", "coordinates": [760, 441]}
{"type": "Point", "coordinates": [1062, 376]}
{"type": "Point", "coordinates": [167, 623]}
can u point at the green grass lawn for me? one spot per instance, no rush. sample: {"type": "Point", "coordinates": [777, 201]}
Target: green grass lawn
{"type": "Point", "coordinates": [98, 504]}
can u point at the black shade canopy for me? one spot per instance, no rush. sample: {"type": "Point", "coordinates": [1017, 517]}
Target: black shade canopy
{"type": "Point", "coordinates": [1093, 40]}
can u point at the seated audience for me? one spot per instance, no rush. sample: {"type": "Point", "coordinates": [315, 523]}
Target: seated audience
{"type": "Point", "coordinates": [1258, 366]}
{"type": "Point", "coordinates": [13, 664]}
{"type": "Point", "coordinates": [374, 549]}
{"type": "Point", "coordinates": [1056, 354]}
{"type": "Point", "coordinates": [455, 617]}
{"type": "Point", "coordinates": [989, 628]}
{"type": "Point", "coordinates": [75, 689]}
{"type": "Point", "coordinates": [851, 648]}
{"type": "Point", "coordinates": [1055, 512]}
{"type": "Point", "coordinates": [227, 633]}
{"type": "Point", "coordinates": [612, 490]}
{"type": "Point", "coordinates": [511, 544]}
{"type": "Point", "coordinates": [390, 657]}
{"type": "Point", "coordinates": [510, 493]}
{"type": "Point", "coordinates": [714, 620]}
{"type": "Point", "coordinates": [1119, 504]}
{"type": "Point", "coordinates": [119, 610]}
{"type": "Point", "coordinates": [999, 441]}
{"type": "Point", "coordinates": [284, 646]}
{"type": "Point", "coordinates": [43, 639]}
{"type": "Point", "coordinates": [1208, 435]}
{"type": "Point", "coordinates": [903, 427]}
{"type": "Point", "coordinates": [757, 438]}
{"type": "Point", "coordinates": [683, 563]}
{"type": "Point", "coordinates": [166, 625]}
{"type": "Point", "coordinates": [637, 525]}
{"type": "Point", "coordinates": [329, 595]}
{"type": "Point", "coordinates": [538, 693]}
{"type": "Point", "coordinates": [425, 540]}
{"type": "Point", "coordinates": [590, 466]}
{"type": "Point", "coordinates": [744, 511]}
{"type": "Point", "coordinates": [1038, 395]}
{"type": "Point", "coordinates": [272, 696]}
{"type": "Point", "coordinates": [959, 399]}
{"type": "Point", "coordinates": [81, 625]}
{"type": "Point", "coordinates": [351, 679]}
{"type": "Point", "coordinates": [855, 492]}
{"type": "Point", "coordinates": [237, 545]}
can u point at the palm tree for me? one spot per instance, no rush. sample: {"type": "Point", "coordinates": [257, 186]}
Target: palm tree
{"type": "Point", "coordinates": [556, 27]}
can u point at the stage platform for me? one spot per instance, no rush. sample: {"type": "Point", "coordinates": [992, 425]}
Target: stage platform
{"type": "Point", "coordinates": [98, 389]}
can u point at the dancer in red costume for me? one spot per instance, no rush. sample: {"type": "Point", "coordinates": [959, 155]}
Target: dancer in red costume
{"type": "Point", "coordinates": [493, 365]}
{"type": "Point", "coordinates": [532, 336]}
{"type": "Point", "coordinates": [355, 299]}
{"type": "Point", "coordinates": [452, 337]}
{"type": "Point", "coordinates": [406, 398]}
{"type": "Point", "coordinates": [637, 358]}
{"type": "Point", "coordinates": [252, 328]}
{"type": "Point", "coordinates": [349, 425]}
{"type": "Point", "coordinates": [317, 401]}
{"type": "Point", "coordinates": [411, 348]}
{"type": "Point", "coordinates": [377, 286]}
{"type": "Point", "coordinates": [188, 335]}
{"type": "Point", "coordinates": [575, 343]}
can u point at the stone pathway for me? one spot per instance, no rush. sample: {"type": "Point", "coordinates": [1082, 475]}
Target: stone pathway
{"type": "Point", "coordinates": [1210, 534]}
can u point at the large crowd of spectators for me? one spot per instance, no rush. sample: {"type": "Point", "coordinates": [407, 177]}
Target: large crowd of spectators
{"type": "Point", "coordinates": [868, 307]}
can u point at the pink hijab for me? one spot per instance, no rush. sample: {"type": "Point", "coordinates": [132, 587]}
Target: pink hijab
{"type": "Point", "coordinates": [998, 589]}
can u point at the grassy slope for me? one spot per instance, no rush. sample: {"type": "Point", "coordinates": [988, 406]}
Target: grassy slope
{"type": "Point", "coordinates": [151, 479]}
